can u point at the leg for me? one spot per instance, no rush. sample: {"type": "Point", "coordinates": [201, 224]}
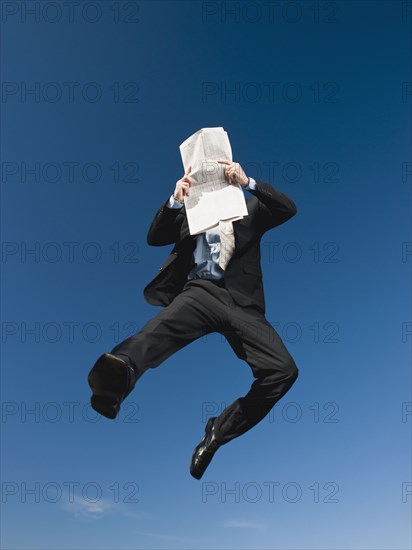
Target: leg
{"type": "Point", "coordinates": [190, 316]}
{"type": "Point", "coordinates": [254, 339]}
{"type": "Point", "coordinates": [114, 375]}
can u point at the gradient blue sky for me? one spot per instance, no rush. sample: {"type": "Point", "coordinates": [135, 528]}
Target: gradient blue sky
{"type": "Point", "coordinates": [331, 467]}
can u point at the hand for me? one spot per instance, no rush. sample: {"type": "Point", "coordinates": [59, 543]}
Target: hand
{"type": "Point", "coordinates": [235, 173]}
{"type": "Point", "coordinates": [182, 186]}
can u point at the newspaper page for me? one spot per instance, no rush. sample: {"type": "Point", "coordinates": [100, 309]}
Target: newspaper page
{"type": "Point", "coordinates": [212, 197]}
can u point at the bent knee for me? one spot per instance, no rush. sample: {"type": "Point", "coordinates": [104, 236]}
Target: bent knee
{"type": "Point", "coordinates": [292, 370]}
{"type": "Point", "coordinates": [287, 371]}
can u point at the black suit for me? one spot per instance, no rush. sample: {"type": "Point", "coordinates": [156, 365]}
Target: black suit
{"type": "Point", "coordinates": [243, 276]}
{"type": "Point", "coordinates": [234, 306]}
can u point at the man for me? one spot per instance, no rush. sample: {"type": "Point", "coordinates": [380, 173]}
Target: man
{"type": "Point", "coordinates": [210, 282]}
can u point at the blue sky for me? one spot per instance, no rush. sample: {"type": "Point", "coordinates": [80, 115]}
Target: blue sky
{"type": "Point", "coordinates": [315, 100]}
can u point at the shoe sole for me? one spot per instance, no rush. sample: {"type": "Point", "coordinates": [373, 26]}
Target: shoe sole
{"type": "Point", "coordinates": [193, 471]}
{"type": "Point", "coordinates": [109, 381]}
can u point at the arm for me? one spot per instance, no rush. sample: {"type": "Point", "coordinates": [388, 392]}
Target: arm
{"type": "Point", "coordinates": [165, 227]}
{"type": "Point", "coordinates": [173, 203]}
{"type": "Point", "coordinates": [274, 207]}
{"type": "Point", "coordinates": [251, 186]}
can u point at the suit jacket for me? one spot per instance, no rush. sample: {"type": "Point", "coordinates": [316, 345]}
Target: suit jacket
{"type": "Point", "coordinates": [267, 208]}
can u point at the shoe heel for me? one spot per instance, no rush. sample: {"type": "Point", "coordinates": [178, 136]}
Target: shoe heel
{"type": "Point", "coordinates": [106, 405]}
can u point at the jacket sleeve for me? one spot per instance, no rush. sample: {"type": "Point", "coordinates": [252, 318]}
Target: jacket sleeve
{"type": "Point", "coordinates": [165, 227]}
{"type": "Point", "coordinates": [274, 207]}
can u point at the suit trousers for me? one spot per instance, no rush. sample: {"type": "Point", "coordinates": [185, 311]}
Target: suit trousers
{"type": "Point", "coordinates": [205, 306]}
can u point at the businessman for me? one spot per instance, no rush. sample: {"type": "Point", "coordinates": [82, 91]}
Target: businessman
{"type": "Point", "coordinates": [211, 282]}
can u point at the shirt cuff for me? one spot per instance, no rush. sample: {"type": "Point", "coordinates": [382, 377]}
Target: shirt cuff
{"type": "Point", "coordinates": [173, 203]}
{"type": "Point", "coordinates": [251, 185]}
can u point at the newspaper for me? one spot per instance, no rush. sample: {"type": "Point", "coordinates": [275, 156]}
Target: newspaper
{"type": "Point", "coordinates": [212, 198]}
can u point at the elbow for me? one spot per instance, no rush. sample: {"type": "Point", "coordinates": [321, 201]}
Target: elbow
{"type": "Point", "coordinates": [154, 243]}
{"type": "Point", "coordinates": [151, 241]}
{"type": "Point", "coordinates": [154, 236]}
{"type": "Point", "coordinates": [293, 209]}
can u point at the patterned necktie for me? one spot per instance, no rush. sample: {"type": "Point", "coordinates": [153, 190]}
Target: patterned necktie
{"type": "Point", "coordinates": [227, 243]}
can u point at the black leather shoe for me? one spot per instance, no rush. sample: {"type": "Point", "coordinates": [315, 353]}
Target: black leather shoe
{"type": "Point", "coordinates": [204, 452]}
{"type": "Point", "coordinates": [111, 380]}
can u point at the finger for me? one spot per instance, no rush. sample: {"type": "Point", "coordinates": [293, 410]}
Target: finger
{"type": "Point", "coordinates": [224, 161]}
{"type": "Point", "coordinates": [188, 170]}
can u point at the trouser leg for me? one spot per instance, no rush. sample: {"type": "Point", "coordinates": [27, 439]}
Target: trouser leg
{"type": "Point", "coordinates": [174, 327]}
{"type": "Point", "coordinates": [254, 339]}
